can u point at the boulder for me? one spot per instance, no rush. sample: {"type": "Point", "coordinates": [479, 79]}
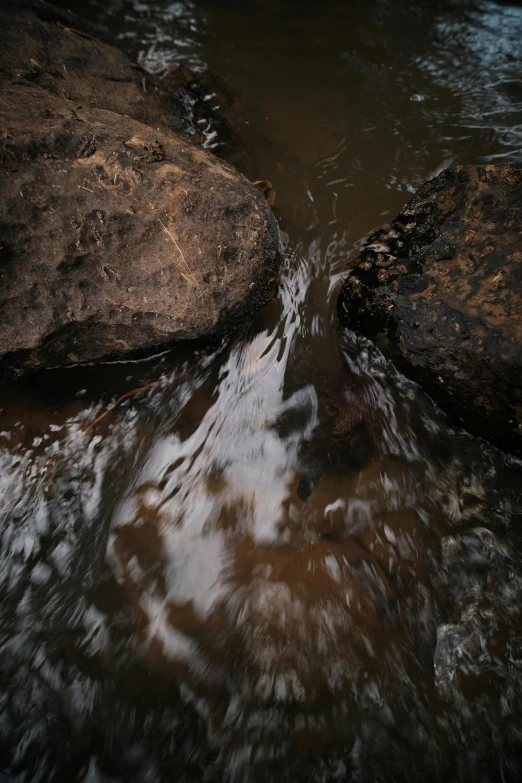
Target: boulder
{"type": "Point", "coordinates": [440, 291]}
{"type": "Point", "coordinates": [117, 234]}
{"type": "Point", "coordinates": [51, 48]}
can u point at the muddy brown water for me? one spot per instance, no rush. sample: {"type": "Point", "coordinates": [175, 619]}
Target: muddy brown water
{"type": "Point", "coordinates": [279, 562]}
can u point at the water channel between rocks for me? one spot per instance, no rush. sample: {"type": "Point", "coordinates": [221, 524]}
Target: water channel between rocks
{"type": "Point", "coordinates": [279, 561]}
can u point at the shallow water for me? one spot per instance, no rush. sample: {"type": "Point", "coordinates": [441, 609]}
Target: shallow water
{"type": "Point", "coordinates": [278, 561]}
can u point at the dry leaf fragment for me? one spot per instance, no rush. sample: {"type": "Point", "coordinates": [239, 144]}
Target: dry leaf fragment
{"type": "Point", "coordinates": [265, 186]}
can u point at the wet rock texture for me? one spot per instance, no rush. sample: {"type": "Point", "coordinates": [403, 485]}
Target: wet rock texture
{"type": "Point", "coordinates": [440, 291]}
{"type": "Point", "coordinates": [117, 233]}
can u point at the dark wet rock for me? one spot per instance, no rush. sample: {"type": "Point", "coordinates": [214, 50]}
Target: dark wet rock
{"type": "Point", "coordinates": [116, 233]}
{"type": "Point", "coordinates": [440, 291]}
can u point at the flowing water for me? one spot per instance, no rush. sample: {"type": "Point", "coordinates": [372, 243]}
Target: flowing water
{"type": "Point", "coordinates": [278, 561]}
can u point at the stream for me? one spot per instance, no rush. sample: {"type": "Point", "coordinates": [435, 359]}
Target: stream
{"type": "Point", "coordinates": [278, 560]}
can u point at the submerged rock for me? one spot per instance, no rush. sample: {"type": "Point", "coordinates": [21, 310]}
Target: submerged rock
{"type": "Point", "coordinates": [345, 399]}
{"type": "Point", "coordinates": [116, 233]}
{"type": "Point", "coordinates": [440, 291]}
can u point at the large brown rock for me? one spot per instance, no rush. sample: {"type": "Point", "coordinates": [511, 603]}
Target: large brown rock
{"type": "Point", "coordinates": [115, 235]}
{"type": "Point", "coordinates": [47, 47]}
{"type": "Point", "coordinates": [440, 290]}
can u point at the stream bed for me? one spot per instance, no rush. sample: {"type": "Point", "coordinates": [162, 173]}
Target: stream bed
{"type": "Point", "coordinates": [277, 560]}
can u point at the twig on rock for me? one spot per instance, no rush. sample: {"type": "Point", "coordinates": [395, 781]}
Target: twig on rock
{"type": "Point", "coordinates": [191, 273]}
